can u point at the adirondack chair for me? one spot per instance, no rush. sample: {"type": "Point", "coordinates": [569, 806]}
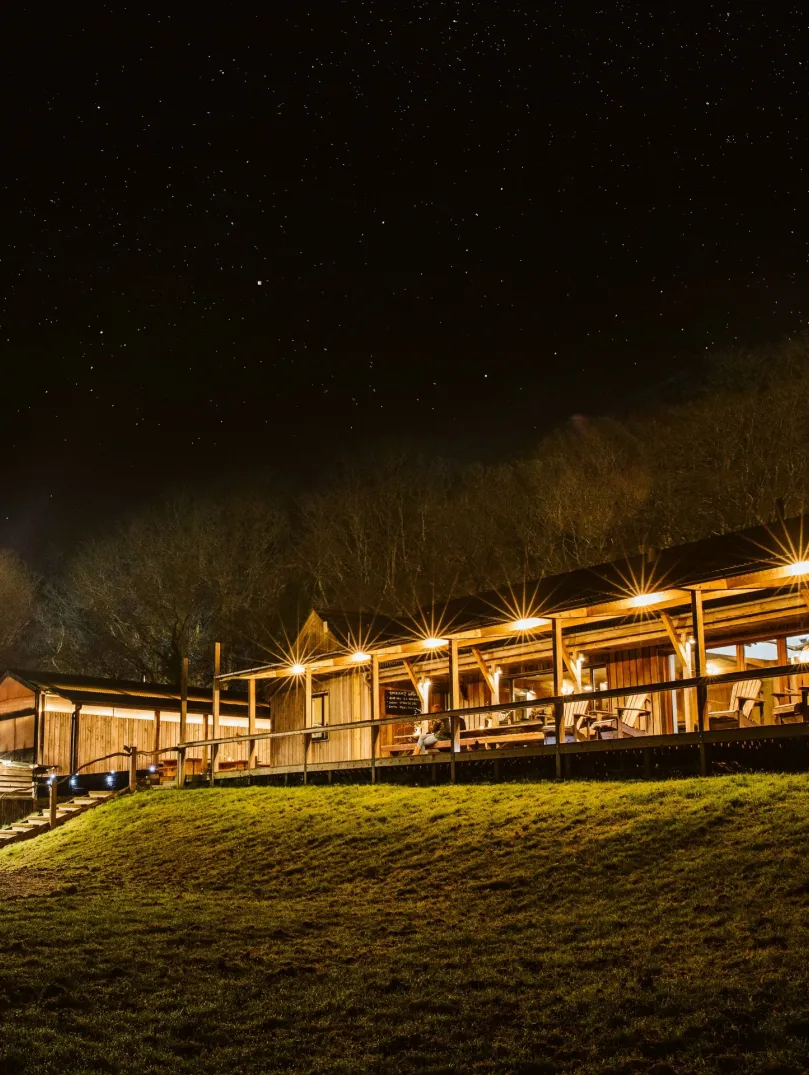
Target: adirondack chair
{"type": "Point", "coordinates": [743, 697]}
{"type": "Point", "coordinates": [632, 719]}
{"type": "Point", "coordinates": [571, 722]}
{"type": "Point", "coordinates": [793, 710]}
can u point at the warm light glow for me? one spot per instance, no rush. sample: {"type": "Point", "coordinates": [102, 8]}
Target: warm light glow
{"type": "Point", "coordinates": [528, 624]}
{"type": "Point", "coordinates": [360, 656]}
{"type": "Point", "coordinates": [297, 669]}
{"type": "Point", "coordinates": [434, 643]}
{"type": "Point", "coordinates": [803, 656]}
{"type": "Point", "coordinates": [799, 568]}
{"type": "Point", "coordinates": [641, 600]}
{"type": "Point", "coordinates": [713, 668]}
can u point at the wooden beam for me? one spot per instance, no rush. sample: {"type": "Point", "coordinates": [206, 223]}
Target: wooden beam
{"type": "Point", "coordinates": [156, 742]}
{"type": "Point", "coordinates": [805, 596]}
{"type": "Point", "coordinates": [251, 721]}
{"type": "Point", "coordinates": [674, 638]}
{"type": "Point", "coordinates": [217, 667]}
{"type": "Point", "coordinates": [375, 712]}
{"type": "Point", "coordinates": [484, 670]}
{"type": "Point", "coordinates": [698, 624]}
{"type": "Point", "coordinates": [558, 682]}
{"type": "Point", "coordinates": [408, 667]}
{"type": "Point", "coordinates": [183, 699]}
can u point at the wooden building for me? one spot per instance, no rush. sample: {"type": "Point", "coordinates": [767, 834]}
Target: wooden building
{"type": "Point", "coordinates": [66, 722]}
{"type": "Point", "coordinates": [726, 617]}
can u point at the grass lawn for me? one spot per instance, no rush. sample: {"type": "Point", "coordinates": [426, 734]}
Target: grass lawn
{"type": "Point", "coordinates": [650, 927]}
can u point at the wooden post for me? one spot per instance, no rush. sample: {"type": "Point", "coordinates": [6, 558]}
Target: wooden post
{"type": "Point", "coordinates": [698, 624]}
{"type": "Point", "coordinates": [133, 769]}
{"type": "Point", "coordinates": [783, 682]}
{"type": "Point", "coordinates": [156, 743]}
{"type": "Point", "coordinates": [75, 726]}
{"type": "Point", "coordinates": [558, 683]}
{"type": "Point", "coordinates": [52, 792]}
{"type": "Point", "coordinates": [374, 711]}
{"type": "Point", "coordinates": [307, 722]}
{"type": "Point", "coordinates": [205, 735]}
{"type": "Point", "coordinates": [184, 700]}
{"type": "Point", "coordinates": [37, 752]}
{"type": "Point", "coordinates": [181, 768]}
{"type": "Point", "coordinates": [454, 703]}
{"type": "Point", "coordinates": [217, 667]}
{"type": "Point", "coordinates": [251, 721]}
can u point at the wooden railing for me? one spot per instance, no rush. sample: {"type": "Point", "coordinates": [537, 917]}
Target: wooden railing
{"type": "Point", "coordinates": [699, 684]}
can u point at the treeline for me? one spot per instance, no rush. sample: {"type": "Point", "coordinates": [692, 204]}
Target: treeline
{"type": "Point", "coordinates": [401, 529]}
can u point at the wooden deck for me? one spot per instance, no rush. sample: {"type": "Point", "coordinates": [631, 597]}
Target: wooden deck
{"type": "Point", "coordinates": [637, 747]}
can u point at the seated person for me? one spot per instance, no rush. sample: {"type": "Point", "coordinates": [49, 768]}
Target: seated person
{"type": "Point", "coordinates": [431, 737]}
{"type": "Point", "coordinates": [439, 729]}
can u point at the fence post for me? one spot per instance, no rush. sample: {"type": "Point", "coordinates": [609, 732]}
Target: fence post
{"type": "Point", "coordinates": [306, 740]}
{"type": "Point", "coordinates": [214, 754]}
{"type": "Point", "coordinates": [180, 768]}
{"type": "Point", "coordinates": [52, 790]}
{"type": "Point", "coordinates": [133, 770]}
{"type": "Point", "coordinates": [558, 683]}
{"type": "Point", "coordinates": [453, 736]}
{"type": "Point", "coordinates": [699, 671]}
{"type": "Point", "coordinates": [375, 711]}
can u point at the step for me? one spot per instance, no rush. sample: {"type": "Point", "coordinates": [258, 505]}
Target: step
{"type": "Point", "coordinates": [100, 795]}
{"type": "Point", "coordinates": [37, 822]}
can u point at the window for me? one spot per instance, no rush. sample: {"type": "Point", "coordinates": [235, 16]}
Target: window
{"type": "Point", "coordinates": [319, 717]}
{"type": "Point", "coordinates": [798, 649]}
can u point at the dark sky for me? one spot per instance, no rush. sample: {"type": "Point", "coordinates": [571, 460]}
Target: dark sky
{"type": "Point", "coordinates": [236, 243]}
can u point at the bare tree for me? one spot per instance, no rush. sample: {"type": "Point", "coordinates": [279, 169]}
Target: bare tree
{"type": "Point", "coordinates": [166, 585]}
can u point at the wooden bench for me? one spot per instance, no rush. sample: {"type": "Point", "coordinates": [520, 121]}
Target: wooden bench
{"type": "Point", "coordinates": [471, 741]}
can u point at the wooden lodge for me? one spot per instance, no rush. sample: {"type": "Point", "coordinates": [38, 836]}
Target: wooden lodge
{"type": "Point", "coordinates": [688, 645]}
{"type": "Point", "coordinates": [69, 724]}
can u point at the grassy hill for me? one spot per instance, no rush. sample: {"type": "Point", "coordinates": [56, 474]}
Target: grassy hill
{"type": "Point", "coordinates": [505, 929]}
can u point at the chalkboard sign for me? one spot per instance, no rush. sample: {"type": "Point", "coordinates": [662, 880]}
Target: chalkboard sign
{"type": "Point", "coordinates": [402, 703]}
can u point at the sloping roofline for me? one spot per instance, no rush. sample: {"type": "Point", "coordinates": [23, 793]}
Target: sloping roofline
{"type": "Point", "coordinates": [127, 694]}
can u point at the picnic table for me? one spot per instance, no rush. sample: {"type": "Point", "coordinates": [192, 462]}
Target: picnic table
{"type": "Point", "coordinates": [476, 738]}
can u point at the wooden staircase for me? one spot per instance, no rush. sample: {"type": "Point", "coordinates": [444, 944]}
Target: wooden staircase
{"type": "Point", "coordinates": [34, 824]}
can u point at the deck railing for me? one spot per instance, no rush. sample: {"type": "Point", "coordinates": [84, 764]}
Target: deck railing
{"type": "Point", "coordinates": [700, 685]}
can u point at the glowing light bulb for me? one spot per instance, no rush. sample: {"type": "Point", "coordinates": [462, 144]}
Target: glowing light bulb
{"type": "Point", "coordinates": [801, 567]}
{"type": "Point", "coordinates": [641, 600]}
{"type": "Point", "coordinates": [360, 656]}
{"type": "Point", "coordinates": [528, 623]}
{"type": "Point", "coordinates": [434, 643]}
{"type": "Point", "coordinates": [298, 669]}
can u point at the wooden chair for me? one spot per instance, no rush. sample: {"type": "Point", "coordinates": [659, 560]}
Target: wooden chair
{"type": "Point", "coordinates": [743, 697]}
{"type": "Point", "coordinates": [571, 722]}
{"type": "Point", "coordinates": [793, 711]}
{"type": "Point", "coordinates": [631, 719]}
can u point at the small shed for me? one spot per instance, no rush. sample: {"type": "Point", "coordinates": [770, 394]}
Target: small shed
{"type": "Point", "coordinates": [68, 722]}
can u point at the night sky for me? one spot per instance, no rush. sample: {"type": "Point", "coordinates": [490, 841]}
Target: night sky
{"type": "Point", "coordinates": [235, 245]}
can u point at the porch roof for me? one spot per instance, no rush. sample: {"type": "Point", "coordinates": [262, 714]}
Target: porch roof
{"type": "Point", "coordinates": [774, 557]}
{"type": "Point", "coordinates": [128, 694]}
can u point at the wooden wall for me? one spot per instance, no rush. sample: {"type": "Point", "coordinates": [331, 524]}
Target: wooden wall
{"type": "Point", "coordinates": [349, 700]}
{"type": "Point", "coordinates": [17, 738]}
{"type": "Point", "coordinates": [100, 735]}
{"type": "Point", "coordinates": [631, 667]}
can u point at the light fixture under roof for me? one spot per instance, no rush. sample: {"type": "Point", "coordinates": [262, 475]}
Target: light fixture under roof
{"type": "Point", "coordinates": [528, 623]}
{"type": "Point", "coordinates": [360, 656]}
{"type": "Point", "coordinates": [800, 567]}
{"type": "Point", "coordinates": [297, 669]}
{"type": "Point", "coordinates": [434, 643]}
{"type": "Point", "coordinates": [641, 600]}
